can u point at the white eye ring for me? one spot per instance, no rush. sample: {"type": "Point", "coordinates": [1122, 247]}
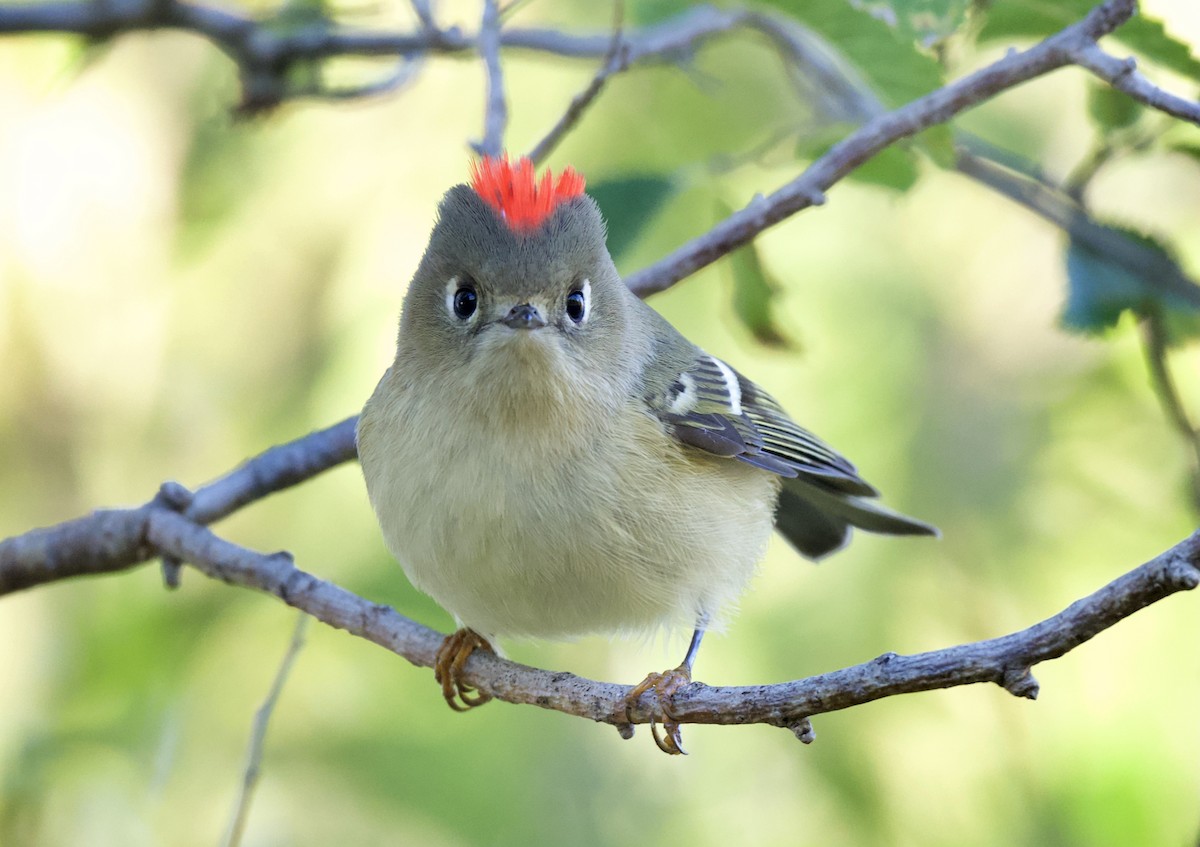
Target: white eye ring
{"type": "Point", "coordinates": [581, 304]}
{"type": "Point", "coordinates": [454, 287]}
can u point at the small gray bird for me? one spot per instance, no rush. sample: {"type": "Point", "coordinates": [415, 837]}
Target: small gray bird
{"type": "Point", "coordinates": [549, 458]}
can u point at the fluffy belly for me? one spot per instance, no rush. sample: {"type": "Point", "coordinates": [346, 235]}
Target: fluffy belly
{"type": "Point", "coordinates": [566, 540]}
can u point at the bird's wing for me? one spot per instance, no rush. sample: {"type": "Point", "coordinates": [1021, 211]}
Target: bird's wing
{"type": "Point", "coordinates": [712, 407]}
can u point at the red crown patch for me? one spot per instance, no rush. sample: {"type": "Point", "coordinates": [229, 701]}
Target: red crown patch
{"type": "Point", "coordinates": [522, 201]}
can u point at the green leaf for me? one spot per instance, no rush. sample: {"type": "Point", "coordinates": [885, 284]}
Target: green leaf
{"type": "Point", "coordinates": [1098, 291]}
{"type": "Point", "coordinates": [892, 64]}
{"type": "Point", "coordinates": [1101, 289]}
{"type": "Point", "coordinates": [754, 293]}
{"type": "Point", "coordinates": [1150, 38]}
{"type": "Point", "coordinates": [1112, 109]}
{"type": "Point", "coordinates": [893, 167]}
{"type": "Point", "coordinates": [937, 142]}
{"type": "Point", "coordinates": [628, 204]}
{"type": "Point", "coordinates": [1007, 19]}
{"type": "Point", "coordinates": [754, 296]}
{"type": "Point", "coordinates": [925, 21]}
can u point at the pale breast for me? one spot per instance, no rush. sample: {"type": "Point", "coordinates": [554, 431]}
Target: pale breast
{"type": "Point", "coordinates": [557, 534]}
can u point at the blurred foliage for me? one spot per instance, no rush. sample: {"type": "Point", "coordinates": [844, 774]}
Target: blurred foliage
{"type": "Point", "coordinates": [628, 204]}
{"type": "Point", "coordinates": [755, 292]}
{"type": "Point", "coordinates": [179, 290]}
{"type": "Point", "coordinates": [893, 64]}
{"type": "Point", "coordinates": [1111, 109]}
{"type": "Point", "coordinates": [1101, 290]}
{"type": "Point", "coordinates": [1039, 18]}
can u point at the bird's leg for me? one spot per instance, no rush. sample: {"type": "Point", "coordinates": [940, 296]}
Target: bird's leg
{"type": "Point", "coordinates": [665, 685]}
{"type": "Point", "coordinates": [447, 669]}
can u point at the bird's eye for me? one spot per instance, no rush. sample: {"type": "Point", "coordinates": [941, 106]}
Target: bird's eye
{"type": "Point", "coordinates": [577, 305]}
{"type": "Point", "coordinates": [465, 301]}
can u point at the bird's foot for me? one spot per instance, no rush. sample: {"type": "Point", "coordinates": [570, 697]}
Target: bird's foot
{"type": "Point", "coordinates": [448, 668]}
{"type": "Point", "coordinates": [665, 685]}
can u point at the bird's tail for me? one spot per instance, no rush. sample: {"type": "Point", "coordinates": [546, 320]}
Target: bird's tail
{"type": "Point", "coordinates": [816, 520]}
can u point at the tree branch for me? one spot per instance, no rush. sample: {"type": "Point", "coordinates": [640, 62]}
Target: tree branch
{"type": "Point", "coordinates": [809, 188]}
{"type": "Point", "coordinates": [615, 61]}
{"type": "Point", "coordinates": [1154, 339]}
{"type": "Point", "coordinates": [115, 539]}
{"type": "Point", "coordinates": [258, 736]}
{"type": "Point", "coordinates": [1005, 661]}
{"type": "Point", "coordinates": [496, 112]}
{"type": "Point", "coordinates": [1122, 74]}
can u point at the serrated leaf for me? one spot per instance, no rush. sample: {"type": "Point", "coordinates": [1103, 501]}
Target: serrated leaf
{"type": "Point", "coordinates": [1150, 38]}
{"type": "Point", "coordinates": [1100, 289]}
{"type": "Point", "coordinates": [1112, 109]}
{"type": "Point", "coordinates": [628, 204]}
{"type": "Point", "coordinates": [1008, 19]}
{"type": "Point", "coordinates": [893, 65]}
{"type": "Point", "coordinates": [893, 167]}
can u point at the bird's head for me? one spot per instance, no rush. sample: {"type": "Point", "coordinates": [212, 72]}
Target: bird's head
{"type": "Point", "coordinates": [516, 286]}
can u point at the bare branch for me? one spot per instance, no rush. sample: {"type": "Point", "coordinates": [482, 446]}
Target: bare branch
{"type": "Point", "coordinates": [258, 735]}
{"type": "Point", "coordinates": [158, 528]}
{"type": "Point", "coordinates": [1005, 661]}
{"type": "Point", "coordinates": [615, 61]}
{"type": "Point", "coordinates": [424, 14]}
{"type": "Point", "coordinates": [1122, 74]}
{"type": "Point", "coordinates": [809, 188]}
{"type": "Point", "coordinates": [115, 539]}
{"type": "Point", "coordinates": [496, 112]}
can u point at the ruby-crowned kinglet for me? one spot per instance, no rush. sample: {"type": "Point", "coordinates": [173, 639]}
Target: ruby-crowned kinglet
{"type": "Point", "coordinates": [548, 457]}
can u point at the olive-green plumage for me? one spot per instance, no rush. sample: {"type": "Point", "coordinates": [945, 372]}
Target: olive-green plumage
{"type": "Point", "coordinates": [548, 457]}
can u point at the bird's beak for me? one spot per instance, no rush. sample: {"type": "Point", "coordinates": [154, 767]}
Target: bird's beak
{"type": "Point", "coordinates": [524, 316]}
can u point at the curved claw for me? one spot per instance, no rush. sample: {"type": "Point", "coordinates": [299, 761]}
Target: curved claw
{"type": "Point", "coordinates": [448, 668]}
{"type": "Point", "coordinates": [665, 685]}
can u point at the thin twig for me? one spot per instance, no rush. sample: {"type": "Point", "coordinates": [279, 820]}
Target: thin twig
{"type": "Point", "coordinates": [615, 61]}
{"type": "Point", "coordinates": [1154, 338]}
{"type": "Point", "coordinates": [258, 735]}
{"type": "Point", "coordinates": [496, 112]}
{"type": "Point", "coordinates": [1122, 74]}
{"type": "Point", "coordinates": [424, 13]}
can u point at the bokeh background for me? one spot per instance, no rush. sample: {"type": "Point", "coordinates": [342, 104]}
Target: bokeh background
{"type": "Point", "coordinates": [180, 290]}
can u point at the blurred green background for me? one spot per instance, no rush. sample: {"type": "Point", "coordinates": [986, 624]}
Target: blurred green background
{"type": "Point", "coordinates": [180, 290]}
